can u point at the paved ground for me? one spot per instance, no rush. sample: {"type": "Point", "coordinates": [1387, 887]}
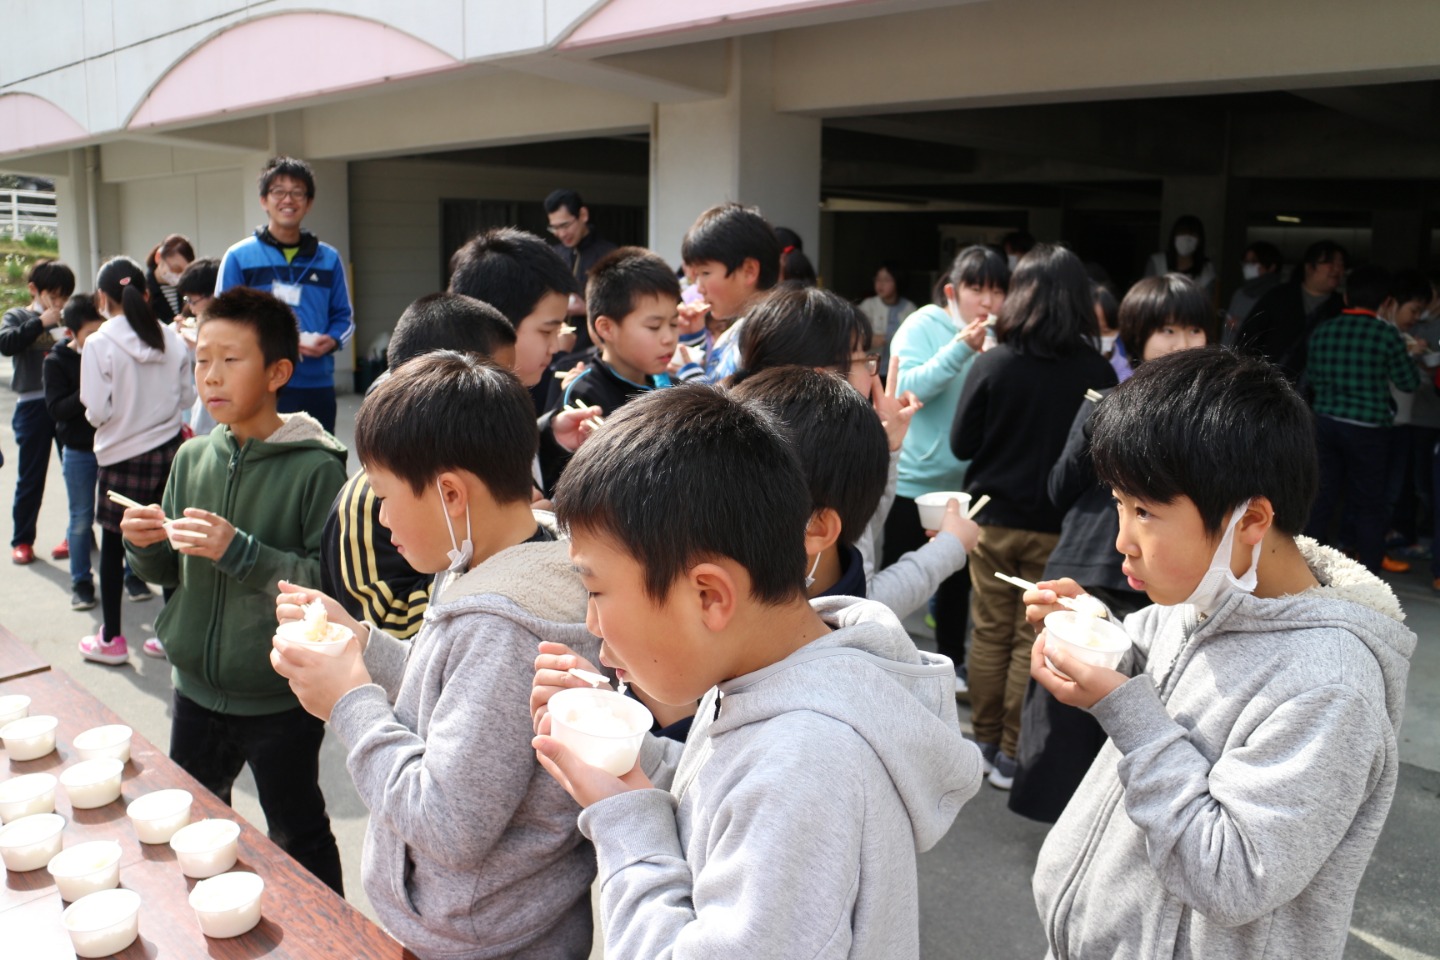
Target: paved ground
{"type": "Point", "coordinates": [975, 886]}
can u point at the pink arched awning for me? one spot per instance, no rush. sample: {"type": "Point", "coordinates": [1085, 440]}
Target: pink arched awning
{"type": "Point", "coordinates": [28, 121]}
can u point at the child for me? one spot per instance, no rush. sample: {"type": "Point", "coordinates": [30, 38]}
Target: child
{"type": "Point", "coordinates": [471, 851]}
{"type": "Point", "coordinates": [25, 337]}
{"type": "Point", "coordinates": [62, 401]}
{"type": "Point", "coordinates": [735, 257]}
{"type": "Point", "coordinates": [826, 751]}
{"type": "Point", "coordinates": [252, 498]}
{"type": "Point", "coordinates": [632, 300]}
{"type": "Point", "coordinates": [359, 565]}
{"type": "Point", "coordinates": [843, 453]}
{"type": "Point", "coordinates": [1252, 756]}
{"type": "Point", "coordinates": [135, 381]}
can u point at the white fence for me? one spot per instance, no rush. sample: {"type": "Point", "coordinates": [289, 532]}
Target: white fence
{"type": "Point", "coordinates": [27, 211]}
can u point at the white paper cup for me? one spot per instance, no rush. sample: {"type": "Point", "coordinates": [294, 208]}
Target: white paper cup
{"type": "Point", "coordinates": [111, 740]}
{"type": "Point", "coordinates": [26, 796]}
{"type": "Point", "coordinates": [102, 924]}
{"type": "Point", "coordinates": [184, 531]}
{"type": "Point", "coordinates": [932, 507]}
{"type": "Point", "coordinates": [228, 905]}
{"type": "Point", "coordinates": [1094, 640]}
{"type": "Point", "coordinates": [29, 738]}
{"type": "Point", "coordinates": [30, 842]}
{"type": "Point", "coordinates": [207, 847]}
{"type": "Point", "coordinates": [333, 647]}
{"type": "Point", "coordinates": [1431, 359]}
{"type": "Point", "coordinates": [86, 868]}
{"type": "Point", "coordinates": [603, 728]}
{"type": "Point", "coordinates": [13, 706]}
{"type": "Point", "coordinates": [93, 783]}
{"type": "Point", "coordinates": [158, 816]}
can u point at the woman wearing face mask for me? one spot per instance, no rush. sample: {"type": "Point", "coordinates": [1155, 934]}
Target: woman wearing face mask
{"type": "Point", "coordinates": [163, 267]}
{"type": "Point", "coordinates": [1260, 266]}
{"type": "Point", "coordinates": [1159, 316]}
{"type": "Point", "coordinates": [1185, 253]}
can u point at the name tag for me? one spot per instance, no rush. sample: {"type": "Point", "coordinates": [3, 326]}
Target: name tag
{"type": "Point", "coordinates": [287, 293]}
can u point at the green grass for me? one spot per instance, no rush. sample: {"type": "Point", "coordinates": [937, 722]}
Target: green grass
{"type": "Point", "coordinates": [16, 256]}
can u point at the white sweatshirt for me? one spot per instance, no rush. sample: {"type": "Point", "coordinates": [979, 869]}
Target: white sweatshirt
{"type": "Point", "coordinates": [133, 393]}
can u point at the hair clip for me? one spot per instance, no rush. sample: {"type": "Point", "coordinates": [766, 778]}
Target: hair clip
{"type": "Point", "coordinates": [124, 281]}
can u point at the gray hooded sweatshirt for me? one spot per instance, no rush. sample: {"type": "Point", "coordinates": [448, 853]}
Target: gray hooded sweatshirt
{"type": "Point", "coordinates": [472, 849]}
{"type": "Point", "coordinates": [1250, 767]}
{"type": "Point", "coordinates": [789, 824]}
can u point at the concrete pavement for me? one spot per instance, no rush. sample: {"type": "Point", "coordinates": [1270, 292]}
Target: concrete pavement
{"type": "Point", "coordinates": [974, 887]}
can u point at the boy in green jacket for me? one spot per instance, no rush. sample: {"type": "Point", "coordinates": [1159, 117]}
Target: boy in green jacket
{"type": "Point", "coordinates": [248, 503]}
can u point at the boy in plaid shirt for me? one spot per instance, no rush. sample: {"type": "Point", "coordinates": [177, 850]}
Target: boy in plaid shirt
{"type": "Point", "coordinates": [1354, 358]}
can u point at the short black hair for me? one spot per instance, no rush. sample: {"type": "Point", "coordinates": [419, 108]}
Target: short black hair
{"type": "Point", "coordinates": [1105, 300]}
{"type": "Point", "coordinates": [1367, 287]}
{"type": "Point", "coordinates": [283, 166]}
{"type": "Point", "coordinates": [836, 435]}
{"type": "Point", "coordinates": [1266, 254]}
{"type": "Point", "coordinates": [1018, 240]}
{"type": "Point", "coordinates": [448, 321]}
{"type": "Point", "coordinates": [79, 310]}
{"type": "Point", "coordinates": [624, 275]}
{"type": "Point", "coordinates": [448, 410]}
{"type": "Point", "coordinates": [1156, 301]}
{"type": "Point", "coordinates": [199, 278]}
{"type": "Point", "coordinates": [802, 326]}
{"type": "Point", "coordinates": [1410, 285]}
{"type": "Point", "coordinates": [1321, 251]}
{"type": "Point", "coordinates": [638, 479]}
{"type": "Point", "coordinates": [1049, 311]}
{"type": "Point", "coordinates": [52, 276]}
{"type": "Point", "coordinates": [981, 267]}
{"type": "Point", "coordinates": [1212, 425]}
{"type": "Point", "coordinates": [511, 270]}
{"type": "Point", "coordinates": [566, 198]}
{"type": "Point", "coordinates": [796, 269]}
{"type": "Point", "coordinates": [273, 322]}
{"type": "Point", "coordinates": [730, 234]}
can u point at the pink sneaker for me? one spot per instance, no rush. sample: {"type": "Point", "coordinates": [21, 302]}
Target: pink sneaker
{"type": "Point", "coordinates": [115, 652]}
{"type": "Point", "coordinates": [153, 648]}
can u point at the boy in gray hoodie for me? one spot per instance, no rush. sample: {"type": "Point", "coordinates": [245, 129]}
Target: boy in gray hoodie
{"type": "Point", "coordinates": [1253, 726]}
{"type": "Point", "coordinates": [826, 751]}
{"type": "Point", "coordinates": [472, 850]}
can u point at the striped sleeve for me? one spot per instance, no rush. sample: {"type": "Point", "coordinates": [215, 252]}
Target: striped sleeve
{"type": "Point", "coordinates": [394, 598]}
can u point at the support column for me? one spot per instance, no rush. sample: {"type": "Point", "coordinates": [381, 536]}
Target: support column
{"type": "Point", "coordinates": [1398, 238]}
{"type": "Point", "coordinates": [735, 148]}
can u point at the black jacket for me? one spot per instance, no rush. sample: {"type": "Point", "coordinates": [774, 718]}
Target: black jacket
{"type": "Point", "coordinates": [1278, 327]}
{"type": "Point", "coordinates": [61, 373]}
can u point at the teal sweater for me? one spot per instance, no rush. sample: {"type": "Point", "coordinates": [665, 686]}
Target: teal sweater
{"type": "Point", "coordinates": [217, 627]}
{"type": "Point", "coordinates": [933, 364]}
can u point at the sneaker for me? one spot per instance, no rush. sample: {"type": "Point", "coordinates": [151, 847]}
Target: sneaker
{"type": "Point", "coordinates": [1002, 777]}
{"type": "Point", "coordinates": [930, 620]}
{"type": "Point", "coordinates": [115, 652]}
{"type": "Point", "coordinates": [1416, 551]}
{"type": "Point", "coordinates": [137, 590]}
{"type": "Point", "coordinates": [1391, 565]}
{"type": "Point", "coordinates": [23, 554]}
{"type": "Point", "coordinates": [962, 687]}
{"type": "Point", "coordinates": [83, 596]}
{"type": "Point", "coordinates": [61, 551]}
{"type": "Point", "coordinates": [153, 648]}
{"type": "Point", "coordinates": [987, 756]}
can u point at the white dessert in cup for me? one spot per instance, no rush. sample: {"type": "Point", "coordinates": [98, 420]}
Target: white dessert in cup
{"type": "Point", "coordinates": [29, 738]}
{"type": "Point", "coordinates": [92, 783]}
{"type": "Point", "coordinates": [184, 531]}
{"type": "Point", "coordinates": [102, 924]}
{"type": "Point", "coordinates": [932, 507]}
{"type": "Point", "coordinates": [228, 905]}
{"type": "Point", "coordinates": [27, 795]}
{"type": "Point", "coordinates": [30, 842]}
{"type": "Point", "coordinates": [207, 847]}
{"type": "Point", "coordinates": [602, 727]}
{"type": "Point", "coordinates": [158, 816]}
{"type": "Point", "coordinates": [13, 706]}
{"type": "Point", "coordinates": [86, 868]}
{"type": "Point", "coordinates": [315, 631]}
{"type": "Point", "coordinates": [1093, 639]}
{"type": "Point", "coordinates": [110, 740]}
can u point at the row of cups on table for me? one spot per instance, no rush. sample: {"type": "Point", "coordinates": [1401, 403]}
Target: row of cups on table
{"type": "Point", "coordinates": [103, 919]}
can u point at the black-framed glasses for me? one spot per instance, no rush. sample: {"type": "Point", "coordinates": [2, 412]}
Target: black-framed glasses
{"type": "Point", "coordinates": [558, 228]}
{"type": "Point", "coordinates": [871, 361]}
{"type": "Point", "coordinates": [297, 193]}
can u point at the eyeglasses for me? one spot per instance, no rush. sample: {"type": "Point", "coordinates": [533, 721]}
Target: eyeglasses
{"type": "Point", "coordinates": [871, 361]}
{"type": "Point", "coordinates": [559, 228]}
{"type": "Point", "coordinates": [196, 299]}
{"type": "Point", "coordinates": [298, 193]}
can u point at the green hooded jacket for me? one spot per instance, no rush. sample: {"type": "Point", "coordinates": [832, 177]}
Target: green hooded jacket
{"type": "Point", "coordinates": [217, 627]}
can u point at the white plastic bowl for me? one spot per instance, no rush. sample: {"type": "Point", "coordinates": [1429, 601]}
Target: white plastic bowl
{"type": "Point", "coordinates": [158, 816]}
{"type": "Point", "coordinates": [30, 842]}
{"type": "Point", "coordinates": [604, 728]}
{"type": "Point", "coordinates": [27, 795]}
{"type": "Point", "coordinates": [110, 740]}
{"type": "Point", "coordinates": [102, 924]}
{"type": "Point", "coordinates": [932, 507]}
{"type": "Point", "coordinates": [1095, 640]}
{"type": "Point", "coordinates": [228, 905]}
{"type": "Point", "coordinates": [13, 706]}
{"type": "Point", "coordinates": [207, 847]}
{"type": "Point", "coordinates": [333, 647]}
{"type": "Point", "coordinates": [29, 738]}
{"type": "Point", "coordinates": [86, 868]}
{"type": "Point", "coordinates": [93, 783]}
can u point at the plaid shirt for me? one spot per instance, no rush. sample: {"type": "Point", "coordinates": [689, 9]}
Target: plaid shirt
{"type": "Point", "coordinates": [1353, 360]}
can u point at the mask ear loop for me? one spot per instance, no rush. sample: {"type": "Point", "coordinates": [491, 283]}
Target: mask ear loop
{"type": "Point", "coordinates": [810, 579]}
{"type": "Point", "coordinates": [449, 524]}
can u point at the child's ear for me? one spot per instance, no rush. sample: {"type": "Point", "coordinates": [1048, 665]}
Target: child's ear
{"type": "Point", "coordinates": [822, 532]}
{"type": "Point", "coordinates": [716, 591]}
{"type": "Point", "coordinates": [603, 328]}
{"type": "Point", "coordinates": [278, 374]}
{"type": "Point", "coordinates": [1256, 522]}
{"type": "Point", "coordinates": [749, 271]}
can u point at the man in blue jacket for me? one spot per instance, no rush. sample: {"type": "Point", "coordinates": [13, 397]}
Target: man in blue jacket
{"type": "Point", "coordinates": [305, 274]}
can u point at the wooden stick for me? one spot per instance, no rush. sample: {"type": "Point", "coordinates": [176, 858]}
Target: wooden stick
{"type": "Point", "coordinates": [121, 499]}
{"type": "Point", "coordinates": [1027, 585]}
{"type": "Point", "coordinates": [1094, 396]}
{"type": "Point", "coordinates": [978, 506]}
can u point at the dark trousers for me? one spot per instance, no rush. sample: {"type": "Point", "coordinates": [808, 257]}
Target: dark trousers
{"type": "Point", "coordinates": [34, 433]}
{"type": "Point", "coordinates": [283, 750]}
{"type": "Point", "coordinates": [904, 533]}
{"type": "Point", "coordinates": [1353, 463]}
{"type": "Point", "coordinates": [319, 402]}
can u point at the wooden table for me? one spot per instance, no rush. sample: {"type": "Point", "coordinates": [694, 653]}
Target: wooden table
{"type": "Point", "coordinates": [17, 659]}
{"type": "Point", "coordinates": [300, 916]}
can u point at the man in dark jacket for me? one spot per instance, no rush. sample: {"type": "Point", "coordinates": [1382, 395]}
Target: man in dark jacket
{"type": "Point", "coordinates": [1281, 322]}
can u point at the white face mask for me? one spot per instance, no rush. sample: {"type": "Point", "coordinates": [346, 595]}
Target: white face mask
{"type": "Point", "coordinates": [1186, 244]}
{"type": "Point", "coordinates": [1107, 343]}
{"type": "Point", "coordinates": [1012, 259]}
{"type": "Point", "coordinates": [1219, 582]}
{"type": "Point", "coordinates": [1250, 271]}
{"type": "Point", "coordinates": [460, 554]}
